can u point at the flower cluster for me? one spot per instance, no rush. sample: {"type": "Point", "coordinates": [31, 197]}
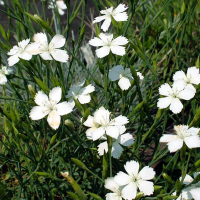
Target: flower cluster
{"type": "Point", "coordinates": [125, 185]}
{"type": "Point", "coordinates": [40, 46]}
{"type": "Point", "coordinates": [60, 5]}
{"type": "Point", "coordinates": [182, 88]}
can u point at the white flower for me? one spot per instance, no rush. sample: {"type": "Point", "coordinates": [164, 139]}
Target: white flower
{"type": "Point", "coordinates": [184, 134]}
{"type": "Point", "coordinates": [116, 151]}
{"type": "Point", "coordinates": [60, 4]}
{"type": "Point", "coordinates": [135, 179]}
{"type": "Point", "coordinates": [191, 192]}
{"type": "Point", "coordinates": [3, 72]}
{"type": "Point", "coordinates": [21, 51]}
{"type": "Point", "coordinates": [109, 44]}
{"type": "Point", "coordinates": [123, 75]}
{"type": "Point", "coordinates": [1, 2]}
{"type": "Point", "coordinates": [47, 51]}
{"type": "Point", "coordinates": [102, 124]}
{"type": "Point", "coordinates": [49, 106]}
{"type": "Point", "coordinates": [118, 14]}
{"type": "Point", "coordinates": [192, 77]}
{"type": "Point", "coordinates": [178, 91]}
{"type": "Point", "coordinates": [115, 188]}
{"type": "Point", "coordinates": [81, 93]}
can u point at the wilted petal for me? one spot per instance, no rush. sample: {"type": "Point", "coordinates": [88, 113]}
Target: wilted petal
{"type": "Point", "coordinates": [58, 41]}
{"type": "Point", "coordinates": [60, 55]}
{"type": "Point", "coordinates": [132, 167]}
{"type": "Point", "coordinates": [64, 108]}
{"type": "Point", "coordinates": [38, 112]}
{"type": "Point", "coordinates": [103, 51]}
{"type": "Point", "coordinates": [146, 187]}
{"type": "Point", "coordinates": [147, 173]}
{"type": "Point", "coordinates": [41, 98]}
{"type": "Point", "coordinates": [55, 94]}
{"type": "Point", "coordinates": [53, 120]}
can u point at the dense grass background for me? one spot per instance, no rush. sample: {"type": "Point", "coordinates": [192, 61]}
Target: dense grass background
{"type": "Point", "coordinates": [163, 38]}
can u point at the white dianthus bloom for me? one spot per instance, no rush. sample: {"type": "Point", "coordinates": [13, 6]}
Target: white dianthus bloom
{"type": "Point", "coordinates": [101, 124]}
{"type": "Point", "coordinates": [1, 2]}
{"type": "Point", "coordinates": [81, 93]}
{"type": "Point", "coordinates": [118, 14]}
{"type": "Point", "coordinates": [123, 75]}
{"type": "Point", "coordinates": [135, 179]}
{"type": "Point", "coordinates": [115, 188]}
{"type": "Point", "coordinates": [173, 96]}
{"type": "Point", "coordinates": [47, 51]}
{"type": "Point", "coordinates": [109, 44]}
{"type": "Point", "coordinates": [21, 51]}
{"type": "Point", "coordinates": [3, 72]}
{"type": "Point", "coordinates": [192, 77]}
{"type": "Point", "coordinates": [60, 4]}
{"type": "Point", "coordinates": [51, 107]}
{"type": "Point", "coordinates": [116, 151]}
{"type": "Point", "coordinates": [191, 192]}
{"type": "Point", "coordinates": [183, 134]}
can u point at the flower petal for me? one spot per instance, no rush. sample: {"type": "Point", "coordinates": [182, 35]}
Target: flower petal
{"type": "Point", "coordinates": [126, 139]}
{"type": "Point", "coordinates": [176, 106]}
{"type": "Point", "coordinates": [32, 48]}
{"type": "Point", "coordinates": [120, 120]}
{"type": "Point", "coordinates": [64, 108]}
{"type": "Point", "coordinates": [88, 89]}
{"type": "Point", "coordinates": [116, 150]}
{"type": "Point", "coordinates": [122, 179]}
{"type": "Point", "coordinates": [192, 141]}
{"type": "Point", "coordinates": [106, 24]}
{"type": "Point", "coordinates": [120, 8]}
{"type": "Point", "coordinates": [58, 41]}
{"type": "Point", "coordinates": [146, 187]}
{"type": "Point", "coordinates": [178, 85]}
{"type": "Point", "coordinates": [119, 41]}
{"type": "Point", "coordinates": [3, 79]}
{"type": "Point", "coordinates": [168, 138]}
{"type": "Point", "coordinates": [46, 56]}
{"type": "Point", "coordinates": [179, 75]}
{"type": "Point", "coordinates": [129, 192]}
{"type": "Point", "coordinates": [132, 167]}
{"type": "Point", "coordinates": [119, 17]}
{"type": "Point", "coordinates": [118, 50]}
{"type": "Point", "coordinates": [114, 73]}
{"type": "Point", "coordinates": [25, 56]}
{"type": "Point", "coordinates": [175, 145]}
{"type": "Point", "coordinates": [89, 122]}
{"type": "Point", "coordinates": [193, 131]}
{"type": "Point", "coordinates": [147, 173]}
{"type": "Point", "coordinates": [124, 83]}
{"type": "Point", "coordinates": [54, 120]}
{"type": "Point", "coordinates": [112, 131]}
{"type": "Point", "coordinates": [41, 98]}
{"type": "Point", "coordinates": [85, 98]}
{"type": "Point", "coordinates": [98, 133]}
{"type": "Point", "coordinates": [99, 19]}
{"type": "Point", "coordinates": [55, 94]}
{"type": "Point", "coordinates": [195, 192]}
{"type": "Point", "coordinates": [102, 116]}
{"type": "Point", "coordinates": [165, 89]}
{"type": "Point", "coordinates": [164, 102]}
{"type": "Point", "coordinates": [13, 60]}
{"type": "Point", "coordinates": [102, 148]}
{"type": "Point", "coordinates": [60, 55]}
{"type": "Point", "coordinates": [40, 38]}
{"type": "Point", "coordinates": [96, 42]}
{"type": "Point", "coordinates": [38, 112]}
{"type": "Point", "coordinates": [103, 51]}
{"type": "Point", "coordinates": [187, 94]}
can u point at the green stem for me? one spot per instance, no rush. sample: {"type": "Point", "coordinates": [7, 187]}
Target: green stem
{"type": "Point", "coordinates": [109, 140]}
